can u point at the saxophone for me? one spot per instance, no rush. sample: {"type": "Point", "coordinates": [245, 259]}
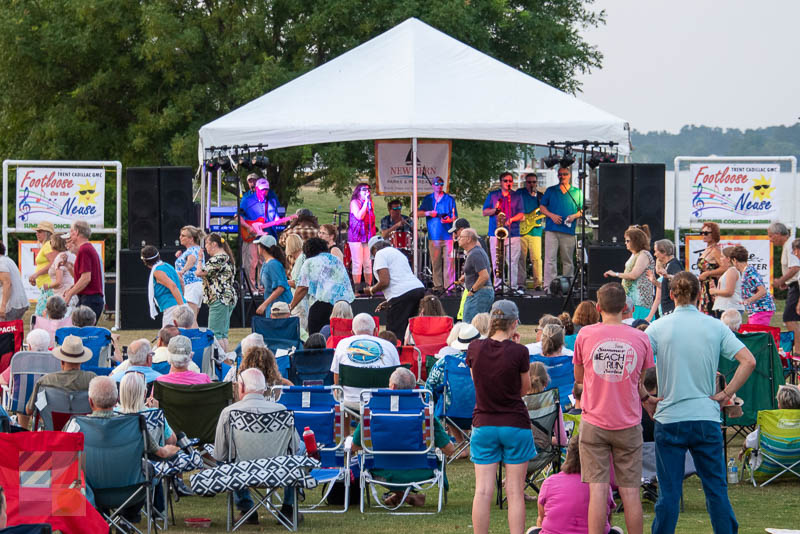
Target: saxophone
{"type": "Point", "coordinates": [501, 233]}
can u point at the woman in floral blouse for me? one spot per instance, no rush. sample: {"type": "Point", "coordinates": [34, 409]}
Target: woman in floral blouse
{"type": "Point", "coordinates": [218, 290]}
{"type": "Point", "coordinates": [758, 303]}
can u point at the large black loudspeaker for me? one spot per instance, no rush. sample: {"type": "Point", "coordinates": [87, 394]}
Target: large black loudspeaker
{"type": "Point", "coordinates": [604, 257]}
{"type": "Point", "coordinates": [143, 207]}
{"type": "Point", "coordinates": [615, 197]}
{"type": "Point", "coordinates": [631, 194]}
{"type": "Point", "coordinates": [175, 192]}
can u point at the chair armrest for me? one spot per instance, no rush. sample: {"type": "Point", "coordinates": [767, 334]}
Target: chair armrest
{"type": "Point", "coordinates": [348, 444]}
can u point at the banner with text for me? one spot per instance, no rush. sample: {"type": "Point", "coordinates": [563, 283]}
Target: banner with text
{"type": "Point", "coordinates": [60, 195]}
{"type": "Point", "coordinates": [758, 246]}
{"type": "Point", "coordinates": [27, 251]}
{"type": "Point", "coordinates": [737, 194]}
{"type": "Point", "coordinates": [394, 170]}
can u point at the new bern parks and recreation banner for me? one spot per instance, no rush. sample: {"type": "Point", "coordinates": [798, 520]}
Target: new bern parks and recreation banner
{"type": "Point", "coordinates": [60, 195]}
{"type": "Point", "coordinates": [27, 251]}
{"type": "Point", "coordinates": [758, 246]}
{"type": "Point", "coordinates": [737, 194]}
{"type": "Point", "coordinates": [394, 170]}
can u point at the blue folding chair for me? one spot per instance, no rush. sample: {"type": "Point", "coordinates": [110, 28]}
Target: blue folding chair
{"type": "Point", "coordinates": [96, 338]}
{"type": "Point", "coordinates": [562, 375]}
{"type": "Point", "coordinates": [279, 333]}
{"type": "Point", "coordinates": [460, 389]}
{"type": "Point", "coordinates": [202, 349]}
{"type": "Point", "coordinates": [116, 471]}
{"type": "Point", "coordinates": [26, 369]}
{"type": "Point", "coordinates": [317, 408]}
{"type": "Point", "coordinates": [312, 367]}
{"type": "Point", "coordinates": [397, 434]}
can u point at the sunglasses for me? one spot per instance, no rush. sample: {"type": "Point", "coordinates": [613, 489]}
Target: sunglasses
{"type": "Point", "coordinates": [705, 233]}
{"type": "Point", "coordinates": [759, 187]}
{"type": "Point", "coordinates": [397, 208]}
{"type": "Point", "coordinates": [530, 181]}
{"type": "Point", "coordinates": [563, 174]}
{"type": "Point", "coordinates": [508, 181]}
{"type": "Point", "coordinates": [440, 184]}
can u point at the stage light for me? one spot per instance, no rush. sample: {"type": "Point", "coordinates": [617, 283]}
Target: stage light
{"type": "Point", "coordinates": [224, 163]}
{"type": "Point", "coordinates": [610, 158]}
{"type": "Point", "coordinates": [559, 287]}
{"type": "Point", "coordinates": [244, 162]}
{"type": "Point", "coordinates": [551, 160]}
{"type": "Point", "coordinates": [262, 162]}
{"type": "Point", "coordinates": [595, 160]}
{"type": "Point", "coordinates": [568, 158]}
{"type": "Point", "coordinates": [211, 165]}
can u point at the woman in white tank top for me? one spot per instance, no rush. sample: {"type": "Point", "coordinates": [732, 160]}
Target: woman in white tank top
{"type": "Point", "coordinates": [728, 295]}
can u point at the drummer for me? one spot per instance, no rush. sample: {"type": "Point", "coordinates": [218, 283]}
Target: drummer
{"type": "Point", "coordinates": [397, 222]}
{"type": "Point", "coordinates": [439, 210]}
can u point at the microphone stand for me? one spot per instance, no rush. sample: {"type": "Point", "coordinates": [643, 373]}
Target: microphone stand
{"type": "Point", "coordinates": [578, 275]}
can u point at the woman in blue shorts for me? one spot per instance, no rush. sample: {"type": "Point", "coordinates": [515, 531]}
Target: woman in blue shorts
{"type": "Point", "coordinates": [501, 428]}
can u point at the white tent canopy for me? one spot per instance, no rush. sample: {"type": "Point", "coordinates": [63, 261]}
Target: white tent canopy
{"type": "Point", "coordinates": [413, 81]}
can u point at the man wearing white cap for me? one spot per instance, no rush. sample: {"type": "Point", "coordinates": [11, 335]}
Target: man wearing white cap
{"type": "Point", "coordinates": [402, 289]}
{"type": "Point", "coordinates": [72, 354]}
{"type": "Point", "coordinates": [259, 205]}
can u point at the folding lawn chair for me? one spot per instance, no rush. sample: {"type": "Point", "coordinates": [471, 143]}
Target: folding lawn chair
{"type": "Point", "coordinates": [543, 409]}
{"type": "Point", "coordinates": [342, 328]}
{"type": "Point", "coordinates": [60, 406]}
{"type": "Point", "coordinates": [11, 334]}
{"type": "Point", "coordinates": [430, 334]}
{"type": "Point", "coordinates": [562, 374]}
{"type": "Point", "coordinates": [460, 390]}
{"type": "Point", "coordinates": [397, 434]}
{"type": "Point", "coordinates": [95, 338]}
{"type": "Point", "coordinates": [194, 410]}
{"type": "Point", "coordinates": [26, 369]}
{"type": "Point", "coordinates": [411, 357]}
{"type": "Point", "coordinates": [254, 436]}
{"type": "Point", "coordinates": [364, 378]}
{"type": "Point", "coordinates": [778, 449]}
{"type": "Point", "coordinates": [202, 349]}
{"type": "Point", "coordinates": [116, 466]}
{"type": "Point", "coordinates": [317, 408]}
{"type": "Point", "coordinates": [286, 331]}
{"type": "Point", "coordinates": [312, 367]}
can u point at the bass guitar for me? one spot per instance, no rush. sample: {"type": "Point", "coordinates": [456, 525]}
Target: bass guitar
{"type": "Point", "coordinates": [259, 225]}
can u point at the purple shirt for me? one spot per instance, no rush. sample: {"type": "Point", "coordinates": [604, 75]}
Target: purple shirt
{"type": "Point", "coordinates": [566, 504]}
{"type": "Point", "coordinates": [359, 231]}
{"type": "Point", "coordinates": [185, 377]}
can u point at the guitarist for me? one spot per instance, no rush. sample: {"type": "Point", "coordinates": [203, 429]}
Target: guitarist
{"type": "Point", "coordinates": [530, 229]}
{"type": "Point", "coordinates": [259, 205]}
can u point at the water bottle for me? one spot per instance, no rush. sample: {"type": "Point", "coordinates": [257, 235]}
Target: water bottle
{"type": "Point", "coordinates": [311, 443]}
{"type": "Point", "coordinates": [733, 472]}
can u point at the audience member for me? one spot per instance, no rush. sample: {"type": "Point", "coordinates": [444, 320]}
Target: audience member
{"type": "Point", "coordinates": [452, 336]}
{"type": "Point", "coordinates": [732, 319]}
{"type": "Point", "coordinates": [363, 349]}
{"type": "Point", "coordinates": [165, 286]}
{"type": "Point", "coordinates": [60, 270]}
{"type": "Point", "coordinates": [179, 357]}
{"type": "Point", "coordinates": [389, 336]}
{"type": "Point", "coordinates": [88, 270]}
{"type": "Point", "coordinates": [788, 398]}
{"type": "Point", "coordinates": [251, 388]}
{"type": "Point", "coordinates": [402, 378]}
{"type": "Point", "coordinates": [650, 382]}
{"type": "Point", "coordinates": [553, 341]}
{"type": "Point", "coordinates": [501, 426]}
{"type": "Point", "coordinates": [186, 264]}
{"type": "Point", "coordinates": [133, 399]}
{"type": "Point", "coordinates": [83, 316]}
{"type": "Point", "coordinates": [635, 278]}
{"type": "Point", "coordinates": [184, 317]}
{"type": "Point", "coordinates": [280, 310]}
{"type": "Point", "coordinates": [341, 310]}
{"type": "Point", "coordinates": [609, 360]}
{"type": "Point", "coordinates": [687, 346]}
{"type": "Point", "coordinates": [585, 314]}
{"type": "Point", "coordinates": [429, 306]}
{"type": "Point", "coordinates": [476, 278]}
{"type": "Point", "coordinates": [481, 321]}
{"type": "Point", "coordinates": [72, 354]}
{"type": "Point", "coordinates": [566, 322]}
{"type": "Point", "coordinates": [757, 300]}
{"type": "Point", "coordinates": [273, 274]}
{"type": "Point", "coordinates": [779, 235]}
{"type": "Point", "coordinates": [401, 288]}
{"type": "Point", "coordinates": [55, 317]}
{"type": "Point", "coordinates": [140, 360]}
{"type": "Point", "coordinates": [314, 341]}
{"type": "Point", "coordinates": [219, 291]}
{"type": "Point", "coordinates": [666, 267]}
{"type": "Point", "coordinates": [13, 300]}
{"type": "Point", "coordinates": [458, 349]}
{"type": "Point", "coordinates": [544, 320]}
{"type": "Point", "coordinates": [728, 294]}
{"type": "Point", "coordinates": [577, 393]}
{"type": "Point", "coordinates": [539, 382]}
{"type": "Point", "coordinates": [296, 258]}
{"type": "Point", "coordinates": [324, 279]}
{"type": "Point", "coordinates": [564, 500]}
{"type": "Point", "coordinates": [627, 312]}
{"type": "Point", "coordinates": [263, 359]}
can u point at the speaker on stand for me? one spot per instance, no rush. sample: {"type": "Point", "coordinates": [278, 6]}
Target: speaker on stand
{"type": "Point", "coordinates": [177, 210]}
{"type": "Point", "coordinates": [630, 193]}
{"type": "Point", "coordinates": [143, 207]}
{"type": "Point", "coordinates": [649, 196]}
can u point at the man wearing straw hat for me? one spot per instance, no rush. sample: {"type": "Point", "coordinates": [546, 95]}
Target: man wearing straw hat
{"type": "Point", "coordinates": [72, 354]}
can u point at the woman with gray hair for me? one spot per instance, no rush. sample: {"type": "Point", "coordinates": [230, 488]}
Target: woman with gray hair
{"type": "Point", "coordinates": [544, 320]}
{"type": "Point", "coordinates": [83, 316]}
{"type": "Point", "coordinates": [666, 267]}
{"type": "Point", "coordinates": [180, 354]}
{"type": "Point", "coordinates": [553, 341]}
{"type": "Point", "coordinates": [132, 393]}
{"type": "Point", "coordinates": [788, 398]}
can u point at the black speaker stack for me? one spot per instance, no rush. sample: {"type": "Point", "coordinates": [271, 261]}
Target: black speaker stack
{"type": "Point", "coordinates": [159, 205]}
{"type": "Point", "coordinates": [629, 193]}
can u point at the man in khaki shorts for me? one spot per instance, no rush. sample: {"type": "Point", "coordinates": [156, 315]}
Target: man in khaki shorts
{"type": "Point", "coordinates": [609, 359]}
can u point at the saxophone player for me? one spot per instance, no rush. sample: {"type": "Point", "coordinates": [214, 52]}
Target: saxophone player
{"type": "Point", "coordinates": [506, 201]}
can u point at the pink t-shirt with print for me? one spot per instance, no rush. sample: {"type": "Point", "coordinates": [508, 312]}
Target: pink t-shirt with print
{"type": "Point", "coordinates": [613, 358]}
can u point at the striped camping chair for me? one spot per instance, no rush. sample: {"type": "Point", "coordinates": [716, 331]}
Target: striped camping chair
{"type": "Point", "coordinates": [26, 369]}
{"type": "Point", "coordinates": [778, 448]}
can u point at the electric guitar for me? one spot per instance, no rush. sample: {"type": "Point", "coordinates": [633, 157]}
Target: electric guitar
{"type": "Point", "coordinates": [531, 220]}
{"type": "Point", "coordinates": [259, 225]}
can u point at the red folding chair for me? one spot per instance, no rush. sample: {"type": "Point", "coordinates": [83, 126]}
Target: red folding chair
{"type": "Point", "coordinates": [342, 328]}
{"type": "Point", "coordinates": [11, 334]}
{"type": "Point", "coordinates": [430, 334]}
{"type": "Point", "coordinates": [412, 356]}
{"type": "Point", "coordinates": [786, 359]}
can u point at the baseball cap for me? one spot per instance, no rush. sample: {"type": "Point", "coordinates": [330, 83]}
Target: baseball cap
{"type": "Point", "coordinates": [459, 224]}
{"type": "Point", "coordinates": [438, 180]}
{"type": "Point", "coordinates": [280, 307]}
{"type": "Point", "coordinates": [262, 183]}
{"type": "Point", "coordinates": [373, 240]}
{"type": "Point", "coordinates": [505, 309]}
{"type": "Point", "coordinates": [267, 241]}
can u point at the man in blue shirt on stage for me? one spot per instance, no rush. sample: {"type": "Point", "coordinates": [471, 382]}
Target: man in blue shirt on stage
{"type": "Point", "coordinates": [562, 204]}
{"type": "Point", "coordinates": [530, 229]}
{"type": "Point", "coordinates": [259, 205]}
{"type": "Point", "coordinates": [439, 210]}
{"type": "Point", "coordinates": [510, 204]}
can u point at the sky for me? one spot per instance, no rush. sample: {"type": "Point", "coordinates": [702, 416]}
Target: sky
{"type": "Point", "coordinates": [722, 63]}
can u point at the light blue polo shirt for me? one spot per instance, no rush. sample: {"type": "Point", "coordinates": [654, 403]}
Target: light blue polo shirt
{"type": "Point", "coordinates": [564, 204]}
{"type": "Point", "coordinates": [687, 345]}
